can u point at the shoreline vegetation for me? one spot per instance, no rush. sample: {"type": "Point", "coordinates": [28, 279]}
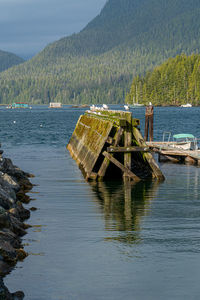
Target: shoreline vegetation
{"type": "Point", "coordinates": [99, 64]}
{"type": "Point", "coordinates": [14, 184]}
{"type": "Point", "coordinates": [173, 83]}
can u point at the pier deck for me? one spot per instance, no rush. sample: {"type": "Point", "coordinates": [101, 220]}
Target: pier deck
{"type": "Point", "coordinates": [166, 151]}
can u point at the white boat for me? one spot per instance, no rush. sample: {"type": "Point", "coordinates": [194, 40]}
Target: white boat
{"type": "Point", "coordinates": [135, 105]}
{"type": "Point", "coordinates": [126, 106]}
{"type": "Point", "coordinates": [55, 105]}
{"type": "Point", "coordinates": [186, 105]}
{"type": "Point", "coordinates": [105, 106]}
{"type": "Point", "coordinates": [184, 141]}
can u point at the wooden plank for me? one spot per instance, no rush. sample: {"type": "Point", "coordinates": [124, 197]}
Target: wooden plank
{"type": "Point", "coordinates": [92, 176]}
{"type": "Point", "coordinates": [106, 161]}
{"type": "Point", "coordinates": [128, 142]}
{"type": "Point", "coordinates": [126, 171]}
{"type": "Point", "coordinates": [103, 169]}
{"type": "Point", "coordinates": [148, 156]}
{"type": "Point", "coordinates": [118, 136]}
{"type": "Point", "coordinates": [173, 153]}
{"type": "Point", "coordinates": [128, 149]}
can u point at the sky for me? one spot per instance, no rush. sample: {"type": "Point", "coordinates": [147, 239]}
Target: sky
{"type": "Point", "coordinates": [27, 26]}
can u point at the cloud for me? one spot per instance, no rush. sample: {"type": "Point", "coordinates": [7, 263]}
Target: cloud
{"type": "Point", "coordinates": [29, 25]}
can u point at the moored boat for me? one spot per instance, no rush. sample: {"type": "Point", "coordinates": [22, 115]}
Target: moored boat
{"type": "Point", "coordinates": [126, 106]}
{"type": "Point", "coordinates": [19, 105]}
{"type": "Point", "coordinates": [186, 105]}
{"type": "Point", "coordinates": [55, 105]}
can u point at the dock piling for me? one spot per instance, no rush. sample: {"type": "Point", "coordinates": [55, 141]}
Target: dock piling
{"type": "Point", "coordinates": [149, 123]}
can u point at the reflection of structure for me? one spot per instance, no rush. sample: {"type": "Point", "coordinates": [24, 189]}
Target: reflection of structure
{"type": "Point", "coordinates": [123, 206]}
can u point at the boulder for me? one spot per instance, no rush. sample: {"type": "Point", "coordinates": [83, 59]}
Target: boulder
{"type": "Point", "coordinates": [6, 201]}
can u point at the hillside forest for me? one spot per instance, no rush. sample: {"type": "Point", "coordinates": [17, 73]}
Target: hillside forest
{"type": "Point", "coordinates": [97, 65]}
{"type": "Point", "coordinates": [175, 82]}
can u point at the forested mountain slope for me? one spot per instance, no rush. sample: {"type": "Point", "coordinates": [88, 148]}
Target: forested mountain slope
{"type": "Point", "coordinates": [175, 82]}
{"type": "Point", "coordinates": [98, 64]}
{"type": "Point", "coordinates": [8, 60]}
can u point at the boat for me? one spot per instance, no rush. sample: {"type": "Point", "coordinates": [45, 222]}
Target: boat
{"type": "Point", "coordinates": [55, 105]}
{"type": "Point", "coordinates": [184, 141]}
{"type": "Point", "coordinates": [19, 105]}
{"type": "Point", "coordinates": [126, 106]}
{"type": "Point", "coordinates": [105, 106]}
{"type": "Point", "coordinates": [136, 105]}
{"type": "Point", "coordinates": [186, 105]}
{"type": "Point", "coordinates": [182, 149]}
{"type": "Point", "coordinates": [80, 106]}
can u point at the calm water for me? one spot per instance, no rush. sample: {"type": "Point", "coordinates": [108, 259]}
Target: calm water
{"type": "Point", "coordinates": [93, 241]}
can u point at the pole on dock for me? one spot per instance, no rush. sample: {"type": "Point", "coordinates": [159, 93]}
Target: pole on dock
{"type": "Point", "coordinates": [148, 123]}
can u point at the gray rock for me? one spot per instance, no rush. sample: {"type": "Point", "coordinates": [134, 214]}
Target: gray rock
{"type": "Point", "coordinates": [20, 212]}
{"type": "Point", "coordinates": [6, 201]}
{"type": "Point", "coordinates": [16, 226]}
{"type": "Point", "coordinates": [9, 236]}
{"type": "Point", "coordinates": [10, 182]}
{"type": "Point", "coordinates": [7, 252]}
{"type": "Point", "coordinates": [5, 221]}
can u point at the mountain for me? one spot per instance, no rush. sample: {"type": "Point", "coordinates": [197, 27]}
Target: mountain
{"type": "Point", "coordinates": [97, 65]}
{"type": "Point", "coordinates": [7, 60]}
{"type": "Point", "coordinates": [174, 82]}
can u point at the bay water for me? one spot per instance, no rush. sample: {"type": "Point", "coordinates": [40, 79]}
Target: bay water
{"type": "Point", "coordinates": [87, 242]}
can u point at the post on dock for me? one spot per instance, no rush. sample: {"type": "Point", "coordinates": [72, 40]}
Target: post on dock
{"type": "Point", "coordinates": [149, 123]}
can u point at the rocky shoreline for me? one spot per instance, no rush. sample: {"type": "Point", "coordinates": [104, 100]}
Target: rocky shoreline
{"type": "Point", "coordinates": [14, 184]}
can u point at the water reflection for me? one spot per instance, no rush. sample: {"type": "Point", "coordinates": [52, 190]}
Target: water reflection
{"type": "Point", "coordinates": [123, 206]}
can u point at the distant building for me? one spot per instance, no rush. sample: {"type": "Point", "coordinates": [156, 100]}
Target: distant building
{"type": "Point", "coordinates": [55, 105]}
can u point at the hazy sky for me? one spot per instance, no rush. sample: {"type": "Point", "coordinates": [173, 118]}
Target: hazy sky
{"type": "Point", "coordinates": [27, 26]}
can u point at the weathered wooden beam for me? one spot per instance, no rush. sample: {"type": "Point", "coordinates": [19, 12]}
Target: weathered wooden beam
{"type": "Point", "coordinates": [103, 169]}
{"type": "Point", "coordinates": [148, 156]}
{"type": "Point", "coordinates": [106, 161]}
{"type": "Point", "coordinates": [128, 142]}
{"type": "Point", "coordinates": [127, 149]}
{"type": "Point", "coordinates": [91, 176]}
{"type": "Point", "coordinates": [118, 136]}
{"type": "Point", "coordinates": [119, 121]}
{"type": "Point", "coordinates": [124, 169]}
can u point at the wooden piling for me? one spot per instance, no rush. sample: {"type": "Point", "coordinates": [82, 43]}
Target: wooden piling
{"type": "Point", "coordinates": [148, 123]}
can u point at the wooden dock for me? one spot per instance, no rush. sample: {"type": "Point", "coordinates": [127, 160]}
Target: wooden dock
{"type": "Point", "coordinates": [166, 152]}
{"type": "Point", "coordinates": [108, 145]}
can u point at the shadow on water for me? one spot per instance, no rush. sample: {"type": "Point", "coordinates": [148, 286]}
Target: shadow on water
{"type": "Point", "coordinates": [123, 206]}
